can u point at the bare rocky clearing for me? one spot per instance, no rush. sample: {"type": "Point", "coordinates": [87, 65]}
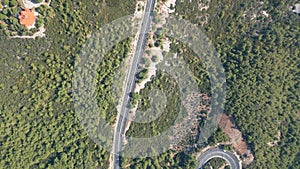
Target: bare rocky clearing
{"type": "Point", "coordinates": [236, 138]}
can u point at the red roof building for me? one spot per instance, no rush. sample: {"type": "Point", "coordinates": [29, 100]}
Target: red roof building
{"type": "Point", "coordinates": [27, 18]}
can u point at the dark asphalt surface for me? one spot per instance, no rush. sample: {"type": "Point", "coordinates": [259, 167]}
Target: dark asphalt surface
{"type": "Point", "coordinates": [216, 152]}
{"type": "Point", "coordinates": [122, 120]}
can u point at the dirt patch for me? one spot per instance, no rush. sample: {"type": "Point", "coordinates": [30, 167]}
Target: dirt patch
{"type": "Point", "coordinates": [275, 142]}
{"type": "Point", "coordinates": [236, 138]}
{"type": "Point", "coordinates": [204, 5]}
{"type": "Point", "coordinates": [28, 4]}
{"type": "Point", "coordinates": [168, 6]}
{"type": "Point", "coordinates": [223, 166]}
{"type": "Point", "coordinates": [297, 8]}
{"type": "Point", "coordinates": [163, 9]}
{"type": "Point", "coordinates": [40, 33]}
{"type": "Point", "coordinates": [151, 68]}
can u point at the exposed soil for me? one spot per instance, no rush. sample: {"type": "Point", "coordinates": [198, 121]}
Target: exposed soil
{"type": "Point", "coordinates": [40, 33]}
{"type": "Point", "coordinates": [163, 9]}
{"type": "Point", "coordinates": [29, 5]}
{"type": "Point", "coordinates": [236, 138]}
{"type": "Point", "coordinates": [275, 142]}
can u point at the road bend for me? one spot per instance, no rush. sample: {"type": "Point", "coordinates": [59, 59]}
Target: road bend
{"type": "Point", "coordinates": [230, 158]}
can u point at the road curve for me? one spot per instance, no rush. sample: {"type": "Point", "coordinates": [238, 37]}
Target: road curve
{"type": "Point", "coordinates": [119, 132]}
{"type": "Point", "coordinates": [230, 158]}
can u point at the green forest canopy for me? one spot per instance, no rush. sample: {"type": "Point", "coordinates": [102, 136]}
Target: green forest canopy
{"type": "Point", "coordinates": [39, 128]}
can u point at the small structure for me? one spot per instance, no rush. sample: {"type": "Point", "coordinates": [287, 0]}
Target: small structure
{"type": "Point", "coordinates": [27, 18]}
{"type": "Point", "coordinates": [297, 9]}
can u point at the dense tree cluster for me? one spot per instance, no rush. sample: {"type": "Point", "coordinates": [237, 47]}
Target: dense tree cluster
{"type": "Point", "coordinates": [261, 59]}
{"type": "Point", "coordinates": [170, 159]}
{"type": "Point", "coordinates": [215, 163]}
{"type": "Point", "coordinates": [168, 86]}
{"type": "Point", "coordinates": [39, 128]}
{"type": "Point", "coordinates": [142, 75]}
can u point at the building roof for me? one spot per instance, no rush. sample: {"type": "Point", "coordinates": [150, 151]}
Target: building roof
{"type": "Point", "coordinates": [27, 18]}
{"type": "Point", "coordinates": [297, 10]}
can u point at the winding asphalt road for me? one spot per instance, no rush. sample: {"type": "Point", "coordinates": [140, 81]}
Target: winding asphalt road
{"type": "Point", "coordinates": [216, 152]}
{"type": "Point", "coordinates": [130, 83]}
